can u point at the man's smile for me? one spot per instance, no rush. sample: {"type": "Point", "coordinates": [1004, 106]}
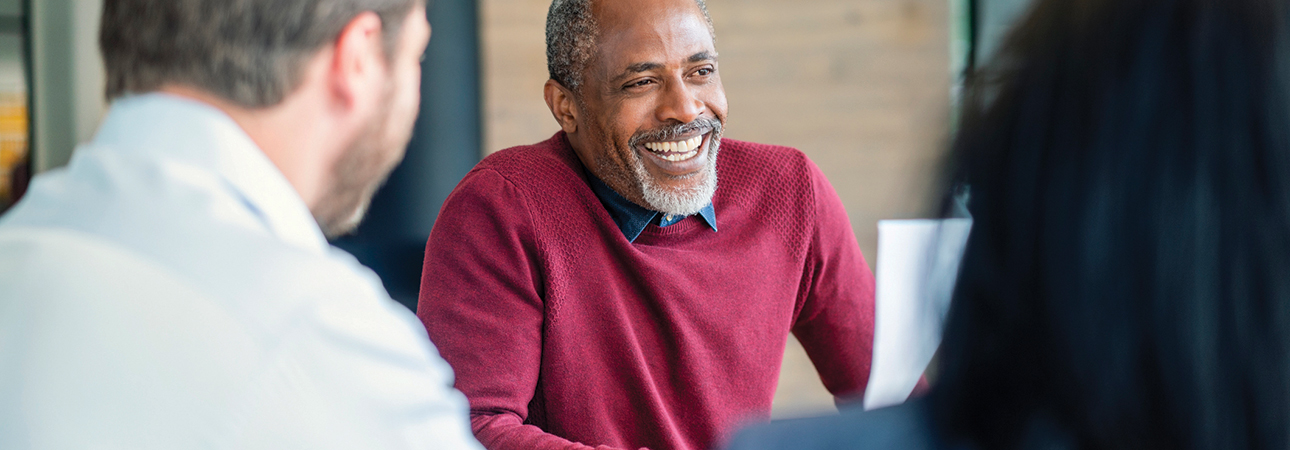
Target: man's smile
{"type": "Point", "coordinates": [678, 158]}
{"type": "Point", "coordinates": [676, 150]}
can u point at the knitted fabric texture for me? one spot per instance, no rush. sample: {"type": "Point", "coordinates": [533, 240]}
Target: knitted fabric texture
{"type": "Point", "coordinates": [564, 335]}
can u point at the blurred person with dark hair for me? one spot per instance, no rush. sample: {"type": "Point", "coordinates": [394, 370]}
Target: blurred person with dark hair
{"type": "Point", "coordinates": [173, 286]}
{"type": "Point", "coordinates": [602, 289]}
{"type": "Point", "coordinates": [1126, 283]}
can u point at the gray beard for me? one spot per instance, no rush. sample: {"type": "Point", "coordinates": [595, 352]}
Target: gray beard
{"type": "Point", "coordinates": [633, 175]}
{"type": "Point", "coordinates": [687, 201]}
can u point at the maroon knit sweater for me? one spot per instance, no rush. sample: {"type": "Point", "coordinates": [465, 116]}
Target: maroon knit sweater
{"type": "Point", "coordinates": [564, 335]}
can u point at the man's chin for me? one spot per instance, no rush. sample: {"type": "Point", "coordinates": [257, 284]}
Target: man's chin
{"type": "Point", "coordinates": [693, 193]}
{"type": "Point", "coordinates": [344, 225]}
{"type": "Point", "coordinates": [351, 202]}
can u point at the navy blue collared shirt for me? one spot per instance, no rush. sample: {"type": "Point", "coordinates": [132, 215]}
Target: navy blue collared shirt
{"type": "Point", "coordinates": [632, 218]}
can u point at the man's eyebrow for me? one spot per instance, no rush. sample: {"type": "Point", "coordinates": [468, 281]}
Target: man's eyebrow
{"type": "Point", "coordinates": [640, 67]}
{"type": "Point", "coordinates": [702, 56]}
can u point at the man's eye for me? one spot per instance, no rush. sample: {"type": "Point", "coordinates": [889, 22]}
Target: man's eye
{"type": "Point", "coordinates": [639, 83]}
{"type": "Point", "coordinates": [704, 72]}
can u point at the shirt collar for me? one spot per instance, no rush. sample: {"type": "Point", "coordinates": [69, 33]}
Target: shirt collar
{"type": "Point", "coordinates": [632, 218]}
{"type": "Point", "coordinates": [176, 128]}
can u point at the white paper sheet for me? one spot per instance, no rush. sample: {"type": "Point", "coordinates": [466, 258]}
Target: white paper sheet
{"type": "Point", "coordinates": [918, 261]}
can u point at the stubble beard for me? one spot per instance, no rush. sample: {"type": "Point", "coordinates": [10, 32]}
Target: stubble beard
{"type": "Point", "coordinates": [360, 171]}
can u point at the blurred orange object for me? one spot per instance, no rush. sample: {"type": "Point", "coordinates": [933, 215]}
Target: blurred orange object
{"type": "Point", "coordinates": [13, 139]}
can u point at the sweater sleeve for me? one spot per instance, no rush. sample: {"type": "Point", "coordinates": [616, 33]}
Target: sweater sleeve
{"type": "Point", "coordinates": [835, 323]}
{"type": "Point", "coordinates": [482, 307]}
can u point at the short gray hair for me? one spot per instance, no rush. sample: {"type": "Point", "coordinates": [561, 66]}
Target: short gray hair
{"type": "Point", "coordinates": [249, 52]}
{"type": "Point", "coordinates": [571, 32]}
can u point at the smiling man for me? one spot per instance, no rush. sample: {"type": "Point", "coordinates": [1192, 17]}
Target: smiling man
{"type": "Point", "coordinates": [631, 282]}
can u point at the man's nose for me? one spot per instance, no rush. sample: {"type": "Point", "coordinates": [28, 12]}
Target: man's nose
{"type": "Point", "coordinates": [679, 104]}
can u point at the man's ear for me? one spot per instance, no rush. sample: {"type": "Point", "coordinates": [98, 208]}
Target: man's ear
{"type": "Point", "coordinates": [562, 105]}
{"type": "Point", "coordinates": [358, 62]}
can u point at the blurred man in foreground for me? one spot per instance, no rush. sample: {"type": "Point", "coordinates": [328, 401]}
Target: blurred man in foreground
{"type": "Point", "coordinates": [173, 288]}
{"type": "Point", "coordinates": [602, 289]}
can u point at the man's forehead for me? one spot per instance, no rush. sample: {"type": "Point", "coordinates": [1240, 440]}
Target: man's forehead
{"type": "Point", "coordinates": [659, 31]}
{"type": "Point", "coordinates": [630, 11]}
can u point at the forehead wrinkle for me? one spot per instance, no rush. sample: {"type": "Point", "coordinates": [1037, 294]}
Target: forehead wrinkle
{"type": "Point", "coordinates": [633, 32]}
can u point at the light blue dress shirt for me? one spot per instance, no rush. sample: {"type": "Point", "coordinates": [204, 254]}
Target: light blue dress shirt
{"type": "Point", "coordinates": [169, 289]}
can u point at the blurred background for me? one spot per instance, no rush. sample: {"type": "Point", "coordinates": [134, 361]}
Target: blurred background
{"type": "Point", "coordinates": [864, 87]}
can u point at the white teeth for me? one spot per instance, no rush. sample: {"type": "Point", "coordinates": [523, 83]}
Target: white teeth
{"type": "Point", "coordinates": [677, 150]}
{"type": "Point", "coordinates": [691, 143]}
{"type": "Point", "coordinates": [680, 156]}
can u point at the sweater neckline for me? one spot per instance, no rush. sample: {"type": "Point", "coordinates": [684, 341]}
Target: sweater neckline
{"type": "Point", "coordinates": [632, 219]}
{"type": "Point", "coordinates": [687, 225]}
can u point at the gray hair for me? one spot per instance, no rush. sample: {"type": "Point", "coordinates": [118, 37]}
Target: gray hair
{"type": "Point", "coordinates": [249, 52]}
{"type": "Point", "coordinates": [571, 32]}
